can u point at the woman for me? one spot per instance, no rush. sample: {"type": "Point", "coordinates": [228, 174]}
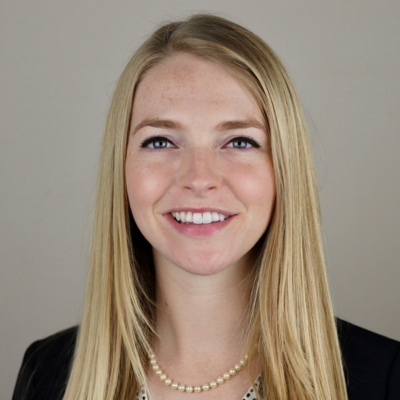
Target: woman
{"type": "Point", "coordinates": [207, 270]}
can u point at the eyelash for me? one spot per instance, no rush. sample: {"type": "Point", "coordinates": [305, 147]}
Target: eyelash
{"type": "Point", "coordinates": [245, 140]}
{"type": "Point", "coordinates": [154, 139]}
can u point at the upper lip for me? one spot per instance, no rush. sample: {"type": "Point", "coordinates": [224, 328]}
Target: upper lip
{"type": "Point", "coordinates": [200, 210]}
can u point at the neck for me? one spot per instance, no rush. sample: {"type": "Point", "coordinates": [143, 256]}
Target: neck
{"type": "Point", "coordinates": [201, 318]}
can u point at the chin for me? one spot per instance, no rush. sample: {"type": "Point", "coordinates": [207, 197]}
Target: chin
{"type": "Point", "coordinates": [204, 265]}
{"type": "Point", "coordinates": [203, 271]}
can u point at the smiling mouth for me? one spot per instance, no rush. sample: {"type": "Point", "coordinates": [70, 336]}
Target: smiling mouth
{"type": "Point", "coordinates": [208, 217]}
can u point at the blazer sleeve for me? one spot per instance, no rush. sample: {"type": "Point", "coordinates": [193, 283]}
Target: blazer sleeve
{"type": "Point", "coordinates": [394, 379]}
{"type": "Point", "coordinates": [45, 367]}
{"type": "Point", "coordinates": [25, 385]}
{"type": "Point", "coordinates": [371, 363]}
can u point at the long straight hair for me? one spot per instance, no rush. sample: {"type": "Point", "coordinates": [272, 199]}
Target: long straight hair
{"type": "Point", "coordinates": [292, 328]}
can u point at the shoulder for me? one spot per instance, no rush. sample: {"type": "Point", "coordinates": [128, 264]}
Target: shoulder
{"type": "Point", "coordinates": [371, 363]}
{"type": "Point", "coordinates": [45, 367]}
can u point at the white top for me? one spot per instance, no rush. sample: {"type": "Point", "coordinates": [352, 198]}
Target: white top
{"type": "Point", "coordinates": [249, 395]}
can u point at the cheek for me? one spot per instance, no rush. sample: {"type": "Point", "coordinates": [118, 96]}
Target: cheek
{"type": "Point", "coordinates": [255, 185]}
{"type": "Point", "coordinates": [145, 185]}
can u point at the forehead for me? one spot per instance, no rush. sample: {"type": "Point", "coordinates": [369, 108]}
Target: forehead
{"type": "Point", "coordinates": [184, 81]}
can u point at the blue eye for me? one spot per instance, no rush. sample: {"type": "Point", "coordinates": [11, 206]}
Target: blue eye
{"type": "Point", "coordinates": [242, 142]}
{"type": "Point", "coordinates": [156, 142]}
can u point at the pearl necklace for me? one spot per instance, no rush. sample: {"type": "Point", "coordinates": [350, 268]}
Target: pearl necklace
{"type": "Point", "coordinates": [195, 389]}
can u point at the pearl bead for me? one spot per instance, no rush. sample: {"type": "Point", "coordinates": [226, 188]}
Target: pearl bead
{"type": "Point", "coordinates": [197, 389]}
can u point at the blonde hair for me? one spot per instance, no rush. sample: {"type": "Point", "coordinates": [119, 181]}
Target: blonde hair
{"type": "Point", "coordinates": [292, 327]}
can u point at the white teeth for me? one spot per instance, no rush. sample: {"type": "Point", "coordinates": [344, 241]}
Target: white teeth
{"type": "Point", "coordinates": [183, 216]}
{"type": "Point", "coordinates": [207, 218]}
{"type": "Point", "coordinates": [215, 216]}
{"type": "Point", "coordinates": [198, 218]}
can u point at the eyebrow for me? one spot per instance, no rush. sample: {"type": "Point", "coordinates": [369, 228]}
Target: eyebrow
{"type": "Point", "coordinates": [222, 126]}
{"type": "Point", "coordinates": [241, 124]}
{"type": "Point", "coordinates": [157, 123]}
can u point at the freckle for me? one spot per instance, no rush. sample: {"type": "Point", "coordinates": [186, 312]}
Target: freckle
{"type": "Point", "coordinates": [166, 304]}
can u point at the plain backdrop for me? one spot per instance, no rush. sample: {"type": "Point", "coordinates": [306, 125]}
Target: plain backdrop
{"type": "Point", "coordinates": [59, 64]}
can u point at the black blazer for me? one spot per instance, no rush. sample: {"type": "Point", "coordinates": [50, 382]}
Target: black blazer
{"type": "Point", "coordinates": [371, 364]}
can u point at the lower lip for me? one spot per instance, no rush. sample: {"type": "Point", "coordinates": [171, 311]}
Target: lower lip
{"type": "Point", "coordinates": [198, 230]}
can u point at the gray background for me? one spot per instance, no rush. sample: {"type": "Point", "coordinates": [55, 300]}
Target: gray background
{"type": "Point", "coordinates": [59, 64]}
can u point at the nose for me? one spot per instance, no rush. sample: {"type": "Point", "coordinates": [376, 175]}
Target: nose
{"type": "Point", "coordinates": [199, 171]}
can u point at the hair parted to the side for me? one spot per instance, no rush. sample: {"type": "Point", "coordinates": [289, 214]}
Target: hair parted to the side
{"type": "Point", "coordinates": [292, 328]}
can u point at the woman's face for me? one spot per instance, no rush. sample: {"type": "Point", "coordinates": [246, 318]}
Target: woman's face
{"type": "Point", "coordinates": [198, 152]}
